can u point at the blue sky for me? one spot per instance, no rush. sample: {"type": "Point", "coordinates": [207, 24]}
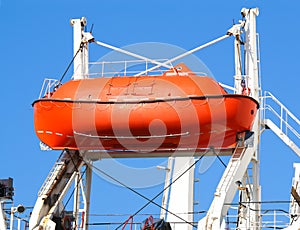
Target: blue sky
{"type": "Point", "coordinates": [36, 42]}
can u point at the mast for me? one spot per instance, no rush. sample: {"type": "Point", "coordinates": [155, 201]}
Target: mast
{"type": "Point", "coordinates": [80, 48]}
{"type": "Point", "coordinates": [82, 191]}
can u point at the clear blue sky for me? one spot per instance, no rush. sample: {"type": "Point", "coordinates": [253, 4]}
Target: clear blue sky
{"type": "Point", "coordinates": [36, 42]}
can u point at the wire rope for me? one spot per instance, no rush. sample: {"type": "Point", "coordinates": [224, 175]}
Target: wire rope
{"type": "Point", "coordinates": [152, 200]}
{"type": "Point", "coordinates": [71, 62]}
{"type": "Point", "coordinates": [141, 195]}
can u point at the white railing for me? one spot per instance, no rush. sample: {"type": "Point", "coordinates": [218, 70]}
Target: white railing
{"type": "Point", "coordinates": [122, 68]}
{"type": "Point", "coordinates": [48, 87]}
{"type": "Point", "coordinates": [16, 217]}
{"type": "Point", "coordinates": [57, 168]}
{"type": "Point", "coordinates": [134, 225]}
{"type": "Point", "coordinates": [269, 219]}
{"type": "Point", "coordinates": [286, 121]}
{"type": "Point", "coordinates": [128, 68]}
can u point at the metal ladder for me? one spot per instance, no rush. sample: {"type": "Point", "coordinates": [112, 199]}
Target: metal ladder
{"type": "Point", "coordinates": [281, 121]}
{"type": "Point", "coordinates": [53, 175]}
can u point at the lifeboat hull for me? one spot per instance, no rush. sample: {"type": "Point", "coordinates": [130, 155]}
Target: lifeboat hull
{"type": "Point", "coordinates": [143, 114]}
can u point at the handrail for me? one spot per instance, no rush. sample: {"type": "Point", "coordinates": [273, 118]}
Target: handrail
{"type": "Point", "coordinates": [270, 95]}
{"type": "Point", "coordinates": [129, 68]}
{"type": "Point", "coordinates": [285, 117]}
{"type": "Point", "coordinates": [58, 165]}
{"type": "Point", "coordinates": [48, 87]}
{"type": "Point", "coordinates": [270, 219]}
{"type": "Point", "coordinates": [122, 68]}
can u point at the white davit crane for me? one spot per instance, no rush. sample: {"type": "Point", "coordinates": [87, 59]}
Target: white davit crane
{"type": "Point", "coordinates": [48, 211]}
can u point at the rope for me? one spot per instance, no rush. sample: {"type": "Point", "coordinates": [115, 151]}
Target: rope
{"type": "Point", "coordinates": [219, 158]}
{"type": "Point", "coordinates": [136, 192]}
{"type": "Point", "coordinates": [71, 62]}
{"type": "Point", "coordinates": [152, 200]}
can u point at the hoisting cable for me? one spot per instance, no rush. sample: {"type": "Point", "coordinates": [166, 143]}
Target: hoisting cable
{"type": "Point", "coordinates": [219, 158]}
{"type": "Point", "coordinates": [151, 201]}
{"type": "Point", "coordinates": [71, 62]}
{"type": "Point", "coordinates": [136, 192]}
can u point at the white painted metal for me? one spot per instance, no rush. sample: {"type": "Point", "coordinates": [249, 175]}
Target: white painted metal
{"type": "Point", "coordinates": [81, 70]}
{"type": "Point", "coordinates": [282, 135]}
{"type": "Point", "coordinates": [185, 54]}
{"type": "Point", "coordinates": [107, 68]}
{"type": "Point", "coordinates": [76, 201]}
{"type": "Point", "coordinates": [294, 206]}
{"type": "Point", "coordinates": [82, 203]}
{"type": "Point", "coordinates": [132, 54]}
{"type": "Point", "coordinates": [283, 113]}
{"type": "Point", "coordinates": [55, 206]}
{"type": "Point", "coordinates": [12, 214]}
{"type": "Point", "coordinates": [251, 60]}
{"type": "Point", "coordinates": [238, 63]}
{"type": "Point", "coordinates": [237, 167]}
{"type": "Point", "coordinates": [253, 83]}
{"type": "Point", "coordinates": [281, 121]}
{"type": "Point", "coordinates": [58, 182]}
{"type": "Point", "coordinates": [181, 194]}
{"type": "Point", "coordinates": [80, 42]}
{"type": "Point", "coordinates": [2, 216]}
{"type": "Point", "coordinates": [226, 190]}
{"type": "Point", "coordinates": [165, 198]}
{"type": "Point", "coordinates": [88, 184]}
{"type": "Point", "coordinates": [181, 201]}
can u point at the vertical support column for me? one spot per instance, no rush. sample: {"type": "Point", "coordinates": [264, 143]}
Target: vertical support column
{"type": "Point", "coordinates": [165, 198]}
{"type": "Point", "coordinates": [294, 206]}
{"type": "Point", "coordinates": [88, 183]}
{"type": "Point", "coordinates": [181, 200]}
{"type": "Point", "coordinates": [2, 216]}
{"type": "Point", "coordinates": [81, 71]}
{"type": "Point", "coordinates": [251, 65]}
{"type": "Point", "coordinates": [238, 65]}
{"type": "Point", "coordinates": [82, 193]}
{"type": "Point", "coordinates": [237, 167]}
{"type": "Point", "coordinates": [252, 78]}
{"type": "Point", "coordinates": [81, 60]}
{"type": "Point", "coordinates": [76, 204]}
{"type": "Point", "coordinates": [12, 215]}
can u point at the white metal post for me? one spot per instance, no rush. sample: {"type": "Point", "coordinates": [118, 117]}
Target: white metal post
{"type": "Point", "coordinates": [81, 71]}
{"type": "Point", "coordinates": [181, 200]}
{"type": "Point", "coordinates": [19, 224]}
{"type": "Point", "coordinates": [2, 216]}
{"type": "Point", "coordinates": [294, 206]}
{"type": "Point", "coordinates": [88, 184]}
{"type": "Point", "coordinates": [237, 167]}
{"type": "Point", "coordinates": [165, 198]}
{"type": "Point", "coordinates": [238, 65]}
{"type": "Point", "coordinates": [12, 212]}
{"type": "Point", "coordinates": [252, 75]}
{"type": "Point", "coordinates": [81, 60]}
{"type": "Point", "coordinates": [76, 199]}
{"type": "Point", "coordinates": [251, 63]}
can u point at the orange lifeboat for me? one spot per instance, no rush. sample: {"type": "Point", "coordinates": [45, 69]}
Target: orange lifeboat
{"type": "Point", "coordinates": [175, 111]}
